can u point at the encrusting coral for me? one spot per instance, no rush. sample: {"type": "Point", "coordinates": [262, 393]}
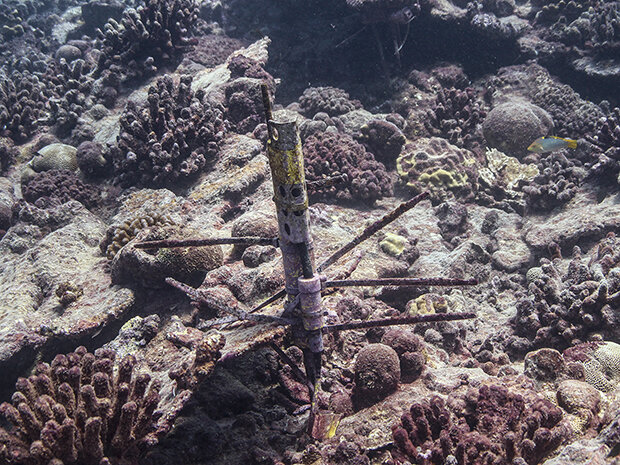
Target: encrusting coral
{"type": "Point", "coordinates": [170, 139]}
{"type": "Point", "coordinates": [80, 410]}
{"type": "Point", "coordinates": [436, 165]}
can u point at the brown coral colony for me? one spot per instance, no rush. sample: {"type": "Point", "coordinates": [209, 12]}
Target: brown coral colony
{"type": "Point", "coordinates": [81, 409]}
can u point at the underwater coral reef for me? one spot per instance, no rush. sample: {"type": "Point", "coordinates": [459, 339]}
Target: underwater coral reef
{"type": "Point", "coordinates": [338, 232]}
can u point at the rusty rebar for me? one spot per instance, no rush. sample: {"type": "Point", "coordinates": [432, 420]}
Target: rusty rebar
{"type": "Point", "coordinates": [400, 282]}
{"type": "Point", "coordinates": [372, 229]}
{"type": "Point", "coordinates": [239, 313]}
{"type": "Point", "coordinates": [319, 184]}
{"type": "Point", "coordinates": [369, 231]}
{"type": "Point", "coordinates": [405, 320]}
{"type": "Point", "coordinates": [169, 243]}
{"type": "Point", "coordinates": [266, 105]}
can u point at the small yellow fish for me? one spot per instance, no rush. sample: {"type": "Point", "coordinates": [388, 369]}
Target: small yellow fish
{"type": "Point", "coordinates": [551, 143]}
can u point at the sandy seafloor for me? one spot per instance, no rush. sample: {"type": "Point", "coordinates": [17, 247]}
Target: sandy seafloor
{"type": "Point", "coordinates": [122, 122]}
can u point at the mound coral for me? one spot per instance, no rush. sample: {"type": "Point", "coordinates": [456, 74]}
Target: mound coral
{"type": "Point", "coordinates": [512, 126]}
{"type": "Point", "coordinates": [8, 152]}
{"type": "Point", "coordinates": [330, 100]}
{"type": "Point", "coordinates": [383, 139]}
{"type": "Point", "coordinates": [170, 139]}
{"type": "Point", "coordinates": [602, 369]}
{"type": "Point", "coordinates": [377, 373]}
{"type": "Point", "coordinates": [118, 236]}
{"type": "Point", "coordinates": [456, 115]}
{"type": "Point", "coordinates": [146, 38]}
{"type": "Point", "coordinates": [77, 411]}
{"type": "Point", "coordinates": [491, 424]}
{"type": "Point", "coordinates": [331, 154]}
{"type": "Point", "coordinates": [436, 165]}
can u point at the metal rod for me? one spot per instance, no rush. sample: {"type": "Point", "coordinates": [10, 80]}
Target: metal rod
{"type": "Point", "coordinates": [267, 105]}
{"type": "Point", "coordinates": [369, 231]}
{"type": "Point", "coordinates": [301, 377]}
{"type": "Point", "coordinates": [212, 302]}
{"type": "Point", "coordinates": [372, 229]}
{"type": "Point", "coordinates": [401, 282]}
{"type": "Point", "coordinates": [314, 186]}
{"type": "Point", "coordinates": [406, 320]}
{"type": "Point", "coordinates": [250, 240]}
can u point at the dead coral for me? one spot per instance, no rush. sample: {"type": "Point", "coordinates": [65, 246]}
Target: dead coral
{"type": "Point", "coordinates": [77, 411]}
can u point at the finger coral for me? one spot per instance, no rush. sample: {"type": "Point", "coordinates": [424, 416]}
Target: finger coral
{"type": "Point", "coordinates": [494, 425]}
{"type": "Point", "coordinates": [170, 139]}
{"type": "Point", "coordinates": [81, 410]}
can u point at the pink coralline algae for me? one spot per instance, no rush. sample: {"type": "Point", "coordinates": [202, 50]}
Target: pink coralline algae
{"type": "Point", "coordinates": [81, 411]}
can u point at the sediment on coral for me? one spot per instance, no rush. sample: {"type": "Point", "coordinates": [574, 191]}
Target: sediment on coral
{"type": "Point", "coordinates": [81, 410]}
{"type": "Point", "coordinates": [171, 139]}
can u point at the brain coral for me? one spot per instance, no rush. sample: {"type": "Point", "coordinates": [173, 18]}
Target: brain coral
{"type": "Point", "coordinates": [436, 165]}
{"type": "Point", "coordinates": [512, 126]}
{"type": "Point", "coordinates": [602, 370]}
{"type": "Point", "coordinates": [331, 154]}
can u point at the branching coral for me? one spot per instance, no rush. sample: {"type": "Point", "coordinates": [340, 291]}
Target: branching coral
{"type": "Point", "coordinates": [565, 310]}
{"type": "Point", "coordinates": [171, 139]}
{"type": "Point", "coordinates": [556, 183]}
{"type": "Point", "coordinates": [456, 115]}
{"type": "Point", "coordinates": [78, 411]}
{"type": "Point", "coordinates": [22, 104]}
{"type": "Point", "coordinates": [147, 37]}
{"type": "Point", "coordinates": [494, 425]}
{"type": "Point", "coordinates": [331, 154]}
